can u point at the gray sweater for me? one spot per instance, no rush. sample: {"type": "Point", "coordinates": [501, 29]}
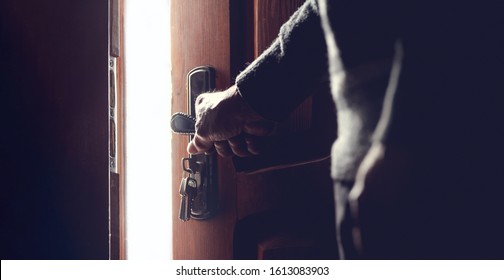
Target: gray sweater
{"type": "Point", "coordinates": [286, 73]}
{"type": "Point", "coordinates": [444, 113]}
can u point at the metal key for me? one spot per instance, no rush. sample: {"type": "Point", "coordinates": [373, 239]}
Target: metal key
{"type": "Point", "coordinates": [184, 213]}
{"type": "Point", "coordinates": [185, 207]}
{"type": "Point", "coordinates": [187, 192]}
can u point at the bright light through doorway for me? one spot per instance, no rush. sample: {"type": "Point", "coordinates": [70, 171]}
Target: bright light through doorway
{"type": "Point", "coordinates": [148, 136]}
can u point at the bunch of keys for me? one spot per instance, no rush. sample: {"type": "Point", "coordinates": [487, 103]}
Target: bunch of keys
{"type": "Point", "coordinates": [188, 191]}
{"type": "Point", "coordinates": [189, 186]}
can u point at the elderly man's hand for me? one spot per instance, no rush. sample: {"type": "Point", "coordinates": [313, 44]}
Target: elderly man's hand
{"type": "Point", "coordinates": [226, 123]}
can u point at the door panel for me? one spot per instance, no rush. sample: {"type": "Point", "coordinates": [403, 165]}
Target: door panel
{"type": "Point", "coordinates": [200, 36]}
{"type": "Point", "coordinates": [282, 214]}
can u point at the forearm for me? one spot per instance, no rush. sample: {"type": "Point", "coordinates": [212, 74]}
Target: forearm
{"type": "Point", "coordinates": [285, 74]}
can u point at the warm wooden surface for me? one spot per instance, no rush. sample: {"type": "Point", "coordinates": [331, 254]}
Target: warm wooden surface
{"type": "Point", "coordinates": [120, 132]}
{"type": "Point", "coordinates": [200, 35]}
{"type": "Point", "coordinates": [254, 209]}
{"type": "Point", "coordinates": [269, 17]}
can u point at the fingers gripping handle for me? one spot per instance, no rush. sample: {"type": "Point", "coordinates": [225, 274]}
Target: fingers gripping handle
{"type": "Point", "coordinates": [199, 80]}
{"type": "Point", "coordinates": [198, 190]}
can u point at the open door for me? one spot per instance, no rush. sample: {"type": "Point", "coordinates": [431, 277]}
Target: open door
{"type": "Point", "coordinates": [278, 214]}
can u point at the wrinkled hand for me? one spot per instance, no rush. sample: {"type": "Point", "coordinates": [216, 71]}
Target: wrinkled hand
{"type": "Point", "coordinates": [226, 123]}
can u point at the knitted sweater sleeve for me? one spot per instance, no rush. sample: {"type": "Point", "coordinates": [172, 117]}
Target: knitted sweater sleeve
{"type": "Point", "coordinates": [284, 74]}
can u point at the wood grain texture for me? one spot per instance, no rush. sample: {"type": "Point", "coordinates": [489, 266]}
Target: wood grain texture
{"type": "Point", "coordinates": [253, 208]}
{"type": "Point", "coordinates": [121, 140]}
{"type": "Point", "coordinates": [269, 16]}
{"type": "Point", "coordinates": [200, 34]}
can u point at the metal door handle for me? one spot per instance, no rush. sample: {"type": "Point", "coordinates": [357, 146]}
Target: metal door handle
{"type": "Point", "coordinates": [200, 169]}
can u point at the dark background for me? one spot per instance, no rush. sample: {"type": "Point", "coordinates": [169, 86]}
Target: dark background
{"type": "Point", "coordinates": [53, 139]}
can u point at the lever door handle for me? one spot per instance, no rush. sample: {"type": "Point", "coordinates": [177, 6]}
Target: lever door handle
{"type": "Point", "coordinates": [198, 189]}
{"type": "Point", "coordinates": [182, 123]}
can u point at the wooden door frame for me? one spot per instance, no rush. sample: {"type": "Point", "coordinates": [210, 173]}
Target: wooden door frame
{"type": "Point", "coordinates": [117, 217]}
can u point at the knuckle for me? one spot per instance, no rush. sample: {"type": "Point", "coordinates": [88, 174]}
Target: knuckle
{"type": "Point", "coordinates": [202, 130]}
{"type": "Point", "coordinates": [199, 99]}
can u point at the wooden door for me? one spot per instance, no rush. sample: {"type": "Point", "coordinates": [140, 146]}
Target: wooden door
{"type": "Point", "coordinates": [201, 36]}
{"type": "Point", "coordinates": [282, 214]}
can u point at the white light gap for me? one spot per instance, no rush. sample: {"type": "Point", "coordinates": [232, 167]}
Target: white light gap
{"type": "Point", "coordinates": [147, 132]}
